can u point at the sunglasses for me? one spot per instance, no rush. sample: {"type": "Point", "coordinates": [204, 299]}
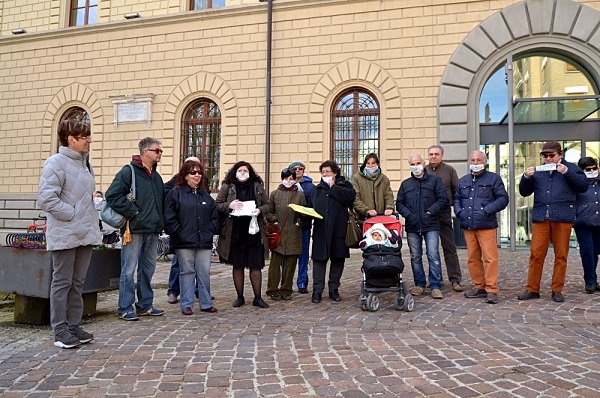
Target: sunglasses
{"type": "Point", "coordinates": [195, 173]}
{"type": "Point", "coordinates": [156, 151]}
{"type": "Point", "coordinates": [549, 155]}
{"type": "Point", "coordinates": [593, 168]}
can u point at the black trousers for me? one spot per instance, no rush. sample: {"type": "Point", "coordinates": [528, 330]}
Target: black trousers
{"type": "Point", "coordinates": [447, 239]}
{"type": "Point", "coordinates": [336, 269]}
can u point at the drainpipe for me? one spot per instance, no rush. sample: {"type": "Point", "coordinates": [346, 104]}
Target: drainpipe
{"type": "Point", "coordinates": [268, 94]}
{"type": "Point", "coordinates": [511, 156]}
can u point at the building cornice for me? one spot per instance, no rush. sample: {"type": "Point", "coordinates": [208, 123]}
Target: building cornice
{"type": "Point", "coordinates": [183, 17]}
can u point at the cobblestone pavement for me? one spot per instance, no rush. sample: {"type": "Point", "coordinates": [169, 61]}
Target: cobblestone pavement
{"type": "Point", "coordinates": [451, 347]}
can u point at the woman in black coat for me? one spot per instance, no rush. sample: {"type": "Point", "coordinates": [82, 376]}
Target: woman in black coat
{"type": "Point", "coordinates": [331, 199]}
{"type": "Point", "coordinates": [191, 219]}
{"type": "Point", "coordinates": [237, 246]}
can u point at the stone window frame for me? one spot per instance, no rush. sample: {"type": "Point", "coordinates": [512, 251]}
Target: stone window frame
{"type": "Point", "coordinates": [355, 113]}
{"type": "Point", "coordinates": [211, 169]}
{"type": "Point", "coordinates": [562, 27]}
{"type": "Point", "coordinates": [215, 88]}
{"type": "Point", "coordinates": [192, 5]}
{"type": "Point", "coordinates": [357, 72]}
{"type": "Point", "coordinates": [72, 12]}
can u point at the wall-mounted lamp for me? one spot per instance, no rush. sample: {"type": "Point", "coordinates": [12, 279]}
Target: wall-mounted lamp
{"type": "Point", "coordinates": [132, 15]}
{"type": "Point", "coordinates": [18, 31]}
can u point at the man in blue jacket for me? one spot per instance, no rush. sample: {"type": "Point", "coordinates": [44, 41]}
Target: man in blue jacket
{"type": "Point", "coordinates": [421, 200]}
{"type": "Point", "coordinates": [554, 187]}
{"type": "Point", "coordinates": [307, 185]}
{"type": "Point", "coordinates": [479, 196]}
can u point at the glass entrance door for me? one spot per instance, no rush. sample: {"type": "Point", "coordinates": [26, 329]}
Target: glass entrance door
{"type": "Point", "coordinates": [526, 154]}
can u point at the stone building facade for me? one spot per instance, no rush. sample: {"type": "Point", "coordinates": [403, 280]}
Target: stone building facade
{"type": "Point", "coordinates": [424, 62]}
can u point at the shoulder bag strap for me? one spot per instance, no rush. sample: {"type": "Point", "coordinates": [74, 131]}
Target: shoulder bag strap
{"type": "Point", "coordinates": [132, 189]}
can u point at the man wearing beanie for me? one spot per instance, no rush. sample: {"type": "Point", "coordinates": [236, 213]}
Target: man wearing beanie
{"type": "Point", "coordinates": [554, 186]}
{"type": "Point", "coordinates": [306, 183]}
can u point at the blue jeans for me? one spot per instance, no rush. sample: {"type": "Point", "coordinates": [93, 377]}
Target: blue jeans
{"type": "Point", "coordinates": [194, 265]}
{"type": "Point", "coordinates": [589, 250]}
{"type": "Point", "coordinates": [174, 277]}
{"type": "Point", "coordinates": [140, 253]}
{"type": "Point", "coordinates": [432, 242]}
{"type": "Point", "coordinates": [302, 280]}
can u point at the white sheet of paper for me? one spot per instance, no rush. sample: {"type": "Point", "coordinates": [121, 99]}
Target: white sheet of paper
{"type": "Point", "coordinates": [546, 167]}
{"type": "Point", "coordinates": [248, 207]}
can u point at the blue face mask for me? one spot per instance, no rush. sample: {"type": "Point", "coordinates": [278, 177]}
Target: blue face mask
{"type": "Point", "coordinates": [371, 171]}
{"type": "Point", "coordinates": [475, 168]}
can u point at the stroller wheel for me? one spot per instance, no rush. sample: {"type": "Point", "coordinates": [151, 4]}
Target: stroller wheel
{"type": "Point", "coordinates": [372, 302]}
{"type": "Point", "coordinates": [399, 302]}
{"type": "Point", "coordinates": [362, 301]}
{"type": "Point", "coordinates": [409, 303]}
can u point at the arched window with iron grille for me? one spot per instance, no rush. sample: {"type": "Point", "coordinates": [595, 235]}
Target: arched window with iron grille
{"type": "Point", "coordinates": [201, 137]}
{"type": "Point", "coordinates": [74, 113]}
{"type": "Point", "coordinates": [354, 128]}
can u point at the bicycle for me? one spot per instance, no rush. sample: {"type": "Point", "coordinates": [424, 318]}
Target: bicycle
{"type": "Point", "coordinates": [34, 238]}
{"type": "Point", "coordinates": [214, 255]}
{"type": "Point", "coordinates": [34, 227]}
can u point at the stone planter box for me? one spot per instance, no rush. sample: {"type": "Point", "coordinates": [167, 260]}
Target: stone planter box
{"type": "Point", "coordinates": [27, 274]}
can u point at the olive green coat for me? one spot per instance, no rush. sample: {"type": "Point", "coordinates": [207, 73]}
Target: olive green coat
{"type": "Point", "coordinates": [291, 235]}
{"type": "Point", "coordinates": [226, 195]}
{"type": "Point", "coordinates": [372, 194]}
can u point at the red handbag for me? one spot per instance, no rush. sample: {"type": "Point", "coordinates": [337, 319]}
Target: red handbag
{"type": "Point", "coordinates": [273, 235]}
{"type": "Point", "coordinates": [273, 230]}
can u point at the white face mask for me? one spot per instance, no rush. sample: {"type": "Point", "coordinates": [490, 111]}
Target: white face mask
{"type": "Point", "coordinates": [242, 176]}
{"type": "Point", "coordinates": [591, 174]}
{"type": "Point", "coordinates": [417, 169]}
{"type": "Point", "coordinates": [97, 200]}
{"type": "Point", "coordinates": [475, 168]}
{"type": "Point", "coordinates": [371, 170]}
{"type": "Point", "coordinates": [327, 179]}
{"type": "Point", "coordinates": [288, 184]}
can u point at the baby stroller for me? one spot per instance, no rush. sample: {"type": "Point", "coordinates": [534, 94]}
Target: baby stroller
{"type": "Point", "coordinates": [383, 266]}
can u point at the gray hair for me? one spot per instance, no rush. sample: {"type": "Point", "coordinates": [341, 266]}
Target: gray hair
{"type": "Point", "coordinates": [437, 146]}
{"type": "Point", "coordinates": [415, 155]}
{"type": "Point", "coordinates": [483, 155]}
{"type": "Point", "coordinates": [146, 143]}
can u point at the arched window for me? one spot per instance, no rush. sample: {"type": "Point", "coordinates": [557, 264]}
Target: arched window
{"type": "Point", "coordinates": [354, 128]}
{"type": "Point", "coordinates": [76, 113]}
{"type": "Point", "coordinates": [201, 137]}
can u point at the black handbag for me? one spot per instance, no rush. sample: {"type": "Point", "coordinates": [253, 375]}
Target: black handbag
{"type": "Point", "coordinates": [353, 230]}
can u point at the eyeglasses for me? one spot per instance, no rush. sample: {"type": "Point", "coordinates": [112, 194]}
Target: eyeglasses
{"type": "Point", "coordinates": [195, 172]}
{"type": "Point", "coordinates": [87, 138]}
{"type": "Point", "coordinates": [157, 151]}
{"type": "Point", "coordinates": [549, 155]}
{"type": "Point", "coordinates": [593, 168]}
{"type": "Point", "coordinates": [298, 169]}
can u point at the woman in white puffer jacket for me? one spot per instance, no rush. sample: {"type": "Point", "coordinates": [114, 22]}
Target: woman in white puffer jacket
{"type": "Point", "coordinates": [65, 194]}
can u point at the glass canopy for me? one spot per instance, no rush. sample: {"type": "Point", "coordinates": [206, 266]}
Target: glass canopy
{"type": "Point", "coordinates": [554, 110]}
